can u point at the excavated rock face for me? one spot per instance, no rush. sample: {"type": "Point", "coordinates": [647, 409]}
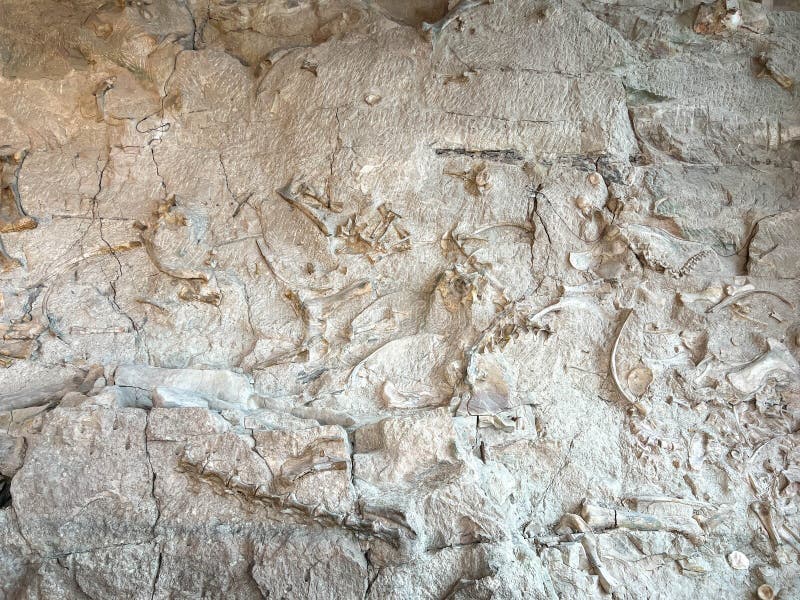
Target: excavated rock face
{"type": "Point", "coordinates": [379, 299]}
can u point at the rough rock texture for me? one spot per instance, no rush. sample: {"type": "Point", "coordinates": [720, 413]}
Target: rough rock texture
{"type": "Point", "coordinates": [399, 299]}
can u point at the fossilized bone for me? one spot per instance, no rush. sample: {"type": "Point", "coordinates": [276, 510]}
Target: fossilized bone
{"type": "Point", "coordinates": [7, 262]}
{"type": "Point", "coordinates": [778, 360]}
{"type": "Point", "coordinates": [763, 511]}
{"type": "Point", "coordinates": [458, 289]}
{"type": "Point", "coordinates": [648, 436]}
{"type": "Point", "coordinates": [98, 330]}
{"type": "Point", "coordinates": [460, 589]}
{"type": "Point", "coordinates": [191, 292]}
{"type": "Point", "coordinates": [169, 220]}
{"type": "Point", "coordinates": [499, 422]}
{"type": "Point", "coordinates": [776, 530]}
{"type": "Point", "coordinates": [598, 517]}
{"type": "Point", "coordinates": [650, 499]}
{"type": "Point", "coordinates": [476, 180]}
{"type": "Point", "coordinates": [12, 215]}
{"type": "Point", "coordinates": [18, 340]}
{"type": "Point", "coordinates": [526, 227]}
{"type": "Point", "coordinates": [53, 393]}
{"type": "Point", "coordinates": [263, 249]}
{"type": "Point", "coordinates": [716, 17]}
{"type": "Point", "coordinates": [357, 367]}
{"type": "Point", "coordinates": [451, 237]}
{"type": "Point", "coordinates": [459, 11]}
{"type": "Point", "coordinates": [767, 68]}
{"type": "Point", "coordinates": [313, 308]}
{"type": "Point", "coordinates": [561, 304]}
{"type": "Point", "coordinates": [363, 525]}
{"type": "Point", "coordinates": [662, 250]}
{"type": "Point", "coordinates": [711, 294]}
{"type": "Point", "coordinates": [322, 306]}
{"type": "Point", "coordinates": [294, 191]}
{"type": "Point", "coordinates": [63, 267]}
{"type": "Point", "coordinates": [489, 387]}
{"type": "Point", "coordinates": [639, 380]}
{"type": "Point", "coordinates": [593, 287]}
{"type": "Point", "coordinates": [575, 523]}
{"type": "Point", "coordinates": [514, 318]}
{"type": "Point", "coordinates": [314, 458]}
{"type": "Point", "coordinates": [640, 405]}
{"type": "Point", "coordinates": [394, 398]}
{"type": "Point", "coordinates": [697, 450]}
{"type": "Point", "coordinates": [368, 238]}
{"type": "Point", "coordinates": [743, 292]}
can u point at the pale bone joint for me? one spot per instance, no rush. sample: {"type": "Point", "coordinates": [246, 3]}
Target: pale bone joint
{"type": "Point", "coordinates": [589, 543]}
{"type": "Point", "coordinates": [599, 517]}
{"type": "Point", "coordinates": [777, 362]}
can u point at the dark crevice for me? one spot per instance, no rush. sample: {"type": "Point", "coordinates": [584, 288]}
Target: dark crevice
{"type": "Point", "coordinates": [508, 155]}
{"type": "Point", "coordinates": [157, 574]}
{"type": "Point", "coordinates": [373, 573]}
{"type": "Point", "coordinates": [5, 492]}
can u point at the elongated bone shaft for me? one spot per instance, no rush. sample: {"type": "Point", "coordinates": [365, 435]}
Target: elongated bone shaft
{"type": "Point", "coordinates": [764, 513]}
{"type": "Point", "coordinates": [669, 499]}
{"type": "Point", "coordinates": [599, 517]}
{"type": "Point", "coordinates": [50, 393]}
{"type": "Point", "coordinates": [589, 543]}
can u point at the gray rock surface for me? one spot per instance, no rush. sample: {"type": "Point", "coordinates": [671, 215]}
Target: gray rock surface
{"type": "Point", "coordinates": [372, 299]}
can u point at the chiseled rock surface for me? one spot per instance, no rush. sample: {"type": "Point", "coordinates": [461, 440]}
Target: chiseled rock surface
{"type": "Point", "coordinates": [63, 483]}
{"type": "Point", "coordinates": [399, 299]}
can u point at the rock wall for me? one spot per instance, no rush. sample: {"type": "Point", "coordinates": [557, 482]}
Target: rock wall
{"type": "Point", "coordinates": [371, 300]}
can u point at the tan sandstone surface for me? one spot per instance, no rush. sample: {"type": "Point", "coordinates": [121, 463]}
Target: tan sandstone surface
{"type": "Point", "coordinates": [344, 299]}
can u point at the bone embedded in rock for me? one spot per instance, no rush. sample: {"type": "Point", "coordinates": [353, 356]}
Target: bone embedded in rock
{"type": "Point", "coordinates": [228, 386]}
{"type": "Point", "coordinates": [399, 299]}
{"type": "Point", "coordinates": [777, 362]}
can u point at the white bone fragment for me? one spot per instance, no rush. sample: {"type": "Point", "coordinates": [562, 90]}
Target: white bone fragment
{"type": "Point", "coordinates": [394, 398]}
{"type": "Point", "coordinates": [662, 250]}
{"type": "Point", "coordinates": [737, 560]}
{"type": "Point", "coordinates": [697, 450]}
{"type": "Point", "coordinates": [165, 397]}
{"type": "Point", "coordinates": [777, 362]}
{"type": "Point", "coordinates": [596, 286]}
{"type": "Point", "coordinates": [639, 380]}
{"type": "Point", "coordinates": [372, 99]}
{"type": "Point", "coordinates": [711, 294]}
{"type": "Point", "coordinates": [490, 385]}
{"type": "Point", "coordinates": [577, 524]}
{"type": "Point", "coordinates": [741, 293]}
{"type": "Point", "coordinates": [765, 592]}
{"type": "Point", "coordinates": [694, 565]}
{"type": "Point", "coordinates": [499, 422]}
{"type": "Point", "coordinates": [228, 386]}
{"type": "Point", "coordinates": [598, 517]}
{"type": "Point", "coordinates": [652, 499]}
{"type": "Point", "coordinates": [584, 261]}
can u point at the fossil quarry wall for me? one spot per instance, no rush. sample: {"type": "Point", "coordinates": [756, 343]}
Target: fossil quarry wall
{"type": "Point", "coordinates": [399, 300]}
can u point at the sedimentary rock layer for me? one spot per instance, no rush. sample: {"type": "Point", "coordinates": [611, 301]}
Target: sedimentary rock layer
{"type": "Point", "coordinates": [381, 299]}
